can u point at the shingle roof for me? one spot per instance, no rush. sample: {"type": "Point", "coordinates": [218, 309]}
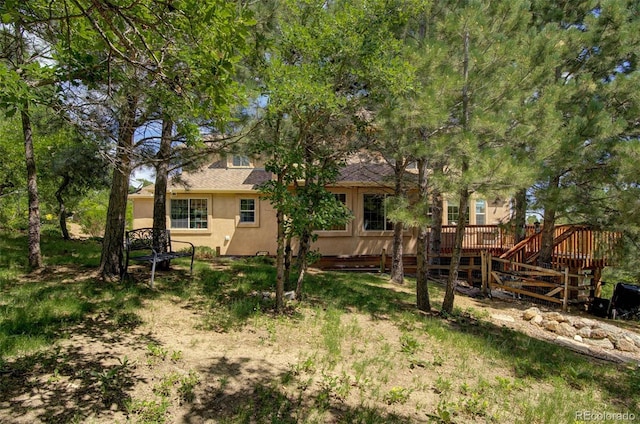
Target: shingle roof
{"type": "Point", "coordinates": [216, 177]}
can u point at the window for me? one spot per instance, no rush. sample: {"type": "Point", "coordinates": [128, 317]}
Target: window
{"type": "Point", "coordinates": [189, 213]}
{"type": "Point", "coordinates": [453, 212]}
{"type": "Point", "coordinates": [248, 211]}
{"type": "Point", "coordinates": [375, 214]}
{"type": "Point", "coordinates": [240, 161]}
{"type": "Point", "coordinates": [481, 212]}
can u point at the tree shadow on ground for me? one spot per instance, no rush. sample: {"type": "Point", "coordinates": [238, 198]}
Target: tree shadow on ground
{"type": "Point", "coordinates": [540, 360]}
{"type": "Point", "coordinates": [246, 390]}
{"type": "Point", "coordinates": [76, 380]}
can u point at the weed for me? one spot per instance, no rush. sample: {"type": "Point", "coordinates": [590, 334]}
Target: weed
{"type": "Point", "coordinates": [409, 344]}
{"type": "Point", "coordinates": [442, 385]}
{"type": "Point", "coordinates": [156, 352]}
{"type": "Point", "coordinates": [166, 384]}
{"type": "Point", "coordinates": [188, 383]}
{"type": "Point", "coordinates": [149, 411]}
{"type": "Point", "coordinates": [397, 395]}
{"type": "Point", "coordinates": [176, 355]}
{"type": "Point", "coordinates": [445, 411]}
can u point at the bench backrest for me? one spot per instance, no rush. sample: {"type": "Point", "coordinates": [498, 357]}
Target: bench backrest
{"type": "Point", "coordinates": [149, 238]}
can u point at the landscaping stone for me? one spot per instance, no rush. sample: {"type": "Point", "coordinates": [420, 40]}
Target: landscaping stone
{"type": "Point", "coordinates": [530, 313]}
{"type": "Point", "coordinates": [566, 329]}
{"type": "Point", "coordinates": [598, 334]}
{"type": "Point", "coordinates": [580, 332]}
{"type": "Point", "coordinates": [584, 332]}
{"type": "Point", "coordinates": [505, 318]}
{"type": "Point", "coordinates": [601, 343]}
{"type": "Point", "coordinates": [551, 325]}
{"type": "Point", "coordinates": [537, 320]}
{"type": "Point", "coordinates": [625, 344]}
{"type": "Point", "coordinates": [555, 316]}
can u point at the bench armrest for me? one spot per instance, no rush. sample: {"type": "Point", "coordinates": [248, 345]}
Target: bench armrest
{"type": "Point", "coordinates": [193, 248]}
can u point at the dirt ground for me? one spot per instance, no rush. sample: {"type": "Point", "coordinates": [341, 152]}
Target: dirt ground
{"type": "Point", "coordinates": [98, 368]}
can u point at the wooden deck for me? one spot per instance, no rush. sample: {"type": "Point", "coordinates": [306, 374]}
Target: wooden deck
{"type": "Point", "coordinates": [577, 248]}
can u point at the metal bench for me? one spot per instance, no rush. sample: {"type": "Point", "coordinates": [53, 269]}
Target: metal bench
{"type": "Point", "coordinates": [155, 246]}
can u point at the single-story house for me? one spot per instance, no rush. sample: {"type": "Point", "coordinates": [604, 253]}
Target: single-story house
{"type": "Point", "coordinates": [219, 206]}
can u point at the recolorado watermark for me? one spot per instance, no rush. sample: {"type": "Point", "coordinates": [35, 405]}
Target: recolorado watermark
{"type": "Point", "coordinates": [605, 416]}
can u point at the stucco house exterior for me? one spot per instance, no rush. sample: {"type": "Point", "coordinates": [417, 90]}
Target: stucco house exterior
{"type": "Point", "coordinates": [219, 206]}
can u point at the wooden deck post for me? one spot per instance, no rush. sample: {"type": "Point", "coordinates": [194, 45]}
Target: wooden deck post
{"type": "Point", "coordinates": [483, 270]}
{"type": "Point", "coordinates": [383, 260]}
{"type": "Point", "coordinates": [565, 299]}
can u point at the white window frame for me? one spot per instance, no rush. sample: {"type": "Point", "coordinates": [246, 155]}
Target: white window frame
{"type": "Point", "coordinates": [388, 225]}
{"type": "Point", "coordinates": [191, 222]}
{"type": "Point", "coordinates": [239, 161]}
{"type": "Point", "coordinates": [483, 213]}
{"type": "Point", "coordinates": [256, 211]}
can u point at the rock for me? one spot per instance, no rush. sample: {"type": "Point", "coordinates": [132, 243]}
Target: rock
{"type": "Point", "coordinates": [555, 316]}
{"type": "Point", "coordinates": [584, 322]}
{"type": "Point", "coordinates": [625, 344]}
{"type": "Point", "coordinates": [550, 325]}
{"type": "Point", "coordinates": [584, 332]}
{"type": "Point", "coordinates": [601, 343]}
{"type": "Point", "coordinates": [635, 338]}
{"type": "Point", "coordinates": [598, 334]}
{"type": "Point", "coordinates": [574, 344]}
{"type": "Point", "coordinates": [537, 320]}
{"type": "Point", "coordinates": [565, 329]}
{"type": "Point", "coordinates": [530, 313]}
{"type": "Point", "coordinates": [501, 317]}
{"type": "Point", "coordinates": [577, 338]}
{"type": "Point", "coordinates": [290, 295]}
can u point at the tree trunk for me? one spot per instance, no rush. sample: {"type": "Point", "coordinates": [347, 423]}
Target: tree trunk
{"type": "Point", "coordinates": [288, 252]}
{"type": "Point", "coordinates": [35, 256]}
{"type": "Point", "coordinates": [113, 243]}
{"type": "Point", "coordinates": [520, 218]}
{"type": "Point", "coordinates": [447, 303]}
{"type": "Point", "coordinates": [280, 240]}
{"type": "Point", "coordinates": [62, 209]}
{"type": "Point", "coordinates": [548, 227]}
{"type": "Point", "coordinates": [397, 265]}
{"type": "Point", "coordinates": [160, 188]}
{"type": "Point", "coordinates": [422, 273]}
{"type": "Point", "coordinates": [303, 250]}
{"type": "Point", "coordinates": [435, 232]}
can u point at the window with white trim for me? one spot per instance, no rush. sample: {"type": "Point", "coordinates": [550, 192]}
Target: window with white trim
{"type": "Point", "coordinates": [375, 213]}
{"type": "Point", "coordinates": [247, 211]}
{"type": "Point", "coordinates": [240, 161]}
{"type": "Point", "coordinates": [453, 213]}
{"type": "Point", "coordinates": [189, 213]}
{"type": "Point", "coordinates": [481, 212]}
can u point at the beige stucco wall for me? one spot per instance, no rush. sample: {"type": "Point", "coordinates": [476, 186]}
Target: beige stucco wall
{"type": "Point", "coordinates": [224, 231]}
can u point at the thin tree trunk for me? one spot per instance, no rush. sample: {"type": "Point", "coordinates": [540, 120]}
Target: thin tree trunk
{"type": "Point", "coordinates": [397, 265]}
{"type": "Point", "coordinates": [288, 252]}
{"type": "Point", "coordinates": [280, 240]}
{"type": "Point", "coordinates": [303, 250]}
{"type": "Point", "coordinates": [35, 256]}
{"type": "Point", "coordinates": [435, 232]}
{"type": "Point", "coordinates": [548, 227]}
{"type": "Point", "coordinates": [160, 189]}
{"type": "Point", "coordinates": [422, 272]}
{"type": "Point", "coordinates": [447, 303]}
{"type": "Point", "coordinates": [520, 218]}
{"type": "Point", "coordinates": [113, 243]}
{"type": "Point", "coordinates": [62, 209]}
